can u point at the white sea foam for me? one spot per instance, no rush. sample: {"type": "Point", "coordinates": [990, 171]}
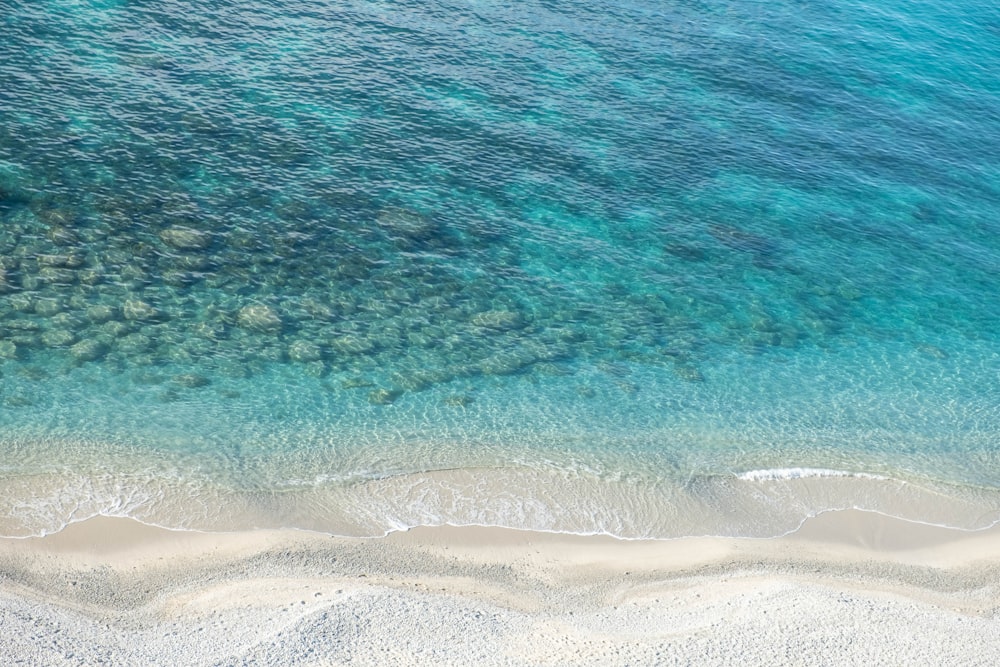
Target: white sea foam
{"type": "Point", "coordinates": [779, 474]}
{"type": "Point", "coordinates": [756, 503]}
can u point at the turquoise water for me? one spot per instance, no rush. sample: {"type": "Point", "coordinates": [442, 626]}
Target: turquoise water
{"type": "Point", "coordinates": [651, 269]}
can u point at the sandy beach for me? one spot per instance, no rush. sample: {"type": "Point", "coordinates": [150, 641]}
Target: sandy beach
{"type": "Point", "coordinates": [848, 588]}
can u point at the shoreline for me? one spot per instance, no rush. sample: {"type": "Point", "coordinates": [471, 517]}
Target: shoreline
{"type": "Point", "coordinates": [847, 587]}
{"type": "Point", "coordinates": [757, 504]}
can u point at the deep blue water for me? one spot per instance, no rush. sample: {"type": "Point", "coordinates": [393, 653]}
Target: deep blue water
{"type": "Point", "coordinates": [645, 268]}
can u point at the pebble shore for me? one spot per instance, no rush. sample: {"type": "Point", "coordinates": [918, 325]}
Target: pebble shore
{"type": "Point", "coordinates": [110, 591]}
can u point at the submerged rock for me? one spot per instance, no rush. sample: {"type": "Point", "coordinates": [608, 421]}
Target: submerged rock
{"type": "Point", "coordinates": [502, 320]}
{"type": "Point", "coordinates": [70, 261]}
{"type": "Point", "coordinates": [22, 303]}
{"type": "Point", "coordinates": [743, 241]}
{"type": "Point", "coordinates": [259, 317]}
{"type": "Point", "coordinates": [8, 349]}
{"type": "Point", "coordinates": [114, 328]}
{"type": "Point", "coordinates": [168, 396]}
{"type": "Point", "coordinates": [932, 351]}
{"type": "Point", "coordinates": [19, 400]}
{"type": "Point", "coordinates": [100, 313]}
{"type": "Point", "coordinates": [383, 396]}
{"type": "Point", "coordinates": [185, 238]}
{"type": "Point", "coordinates": [685, 251]}
{"type": "Point", "coordinates": [134, 343]}
{"type": "Point", "coordinates": [459, 400]}
{"type": "Point", "coordinates": [58, 217]}
{"type": "Point", "coordinates": [177, 278]}
{"type": "Point", "coordinates": [58, 338]}
{"type": "Point", "coordinates": [304, 351]}
{"type": "Point", "coordinates": [136, 309]}
{"type": "Point", "coordinates": [506, 363]}
{"type": "Point", "coordinates": [33, 373]}
{"type": "Point", "coordinates": [549, 368]}
{"type": "Point", "coordinates": [88, 350]}
{"type": "Point", "coordinates": [627, 387]}
{"type": "Point", "coordinates": [194, 262]}
{"type": "Point", "coordinates": [406, 225]}
{"type": "Point", "coordinates": [209, 330]}
{"type": "Point", "coordinates": [59, 235]}
{"type": "Point", "coordinates": [352, 344]}
{"type": "Point", "coordinates": [688, 371]}
{"type": "Point", "coordinates": [412, 381]}
{"type": "Point", "coordinates": [91, 276]}
{"type": "Point", "coordinates": [316, 369]}
{"type": "Point", "coordinates": [191, 380]}
{"type": "Point", "coordinates": [52, 275]}
{"type": "Point", "coordinates": [48, 307]}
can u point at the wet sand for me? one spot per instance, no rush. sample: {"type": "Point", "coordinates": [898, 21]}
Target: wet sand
{"type": "Point", "coordinates": [849, 587]}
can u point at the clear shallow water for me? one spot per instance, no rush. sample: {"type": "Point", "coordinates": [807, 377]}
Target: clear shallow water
{"type": "Point", "coordinates": [360, 266]}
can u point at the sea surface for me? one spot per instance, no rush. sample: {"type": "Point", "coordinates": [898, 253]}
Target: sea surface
{"type": "Point", "coordinates": [645, 268]}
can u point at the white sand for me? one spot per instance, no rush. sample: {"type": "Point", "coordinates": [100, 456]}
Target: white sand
{"type": "Point", "coordinates": [849, 589]}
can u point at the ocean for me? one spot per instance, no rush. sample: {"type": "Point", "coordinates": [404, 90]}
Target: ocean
{"type": "Point", "coordinates": [646, 269]}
